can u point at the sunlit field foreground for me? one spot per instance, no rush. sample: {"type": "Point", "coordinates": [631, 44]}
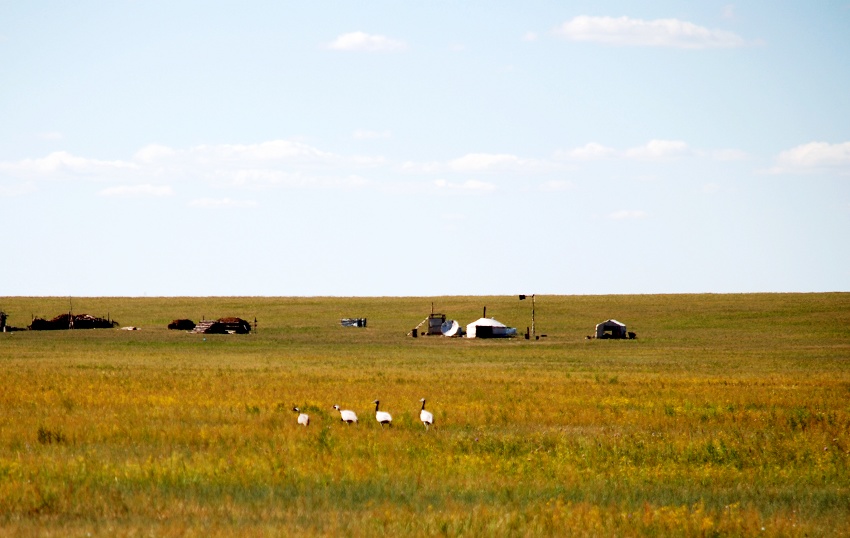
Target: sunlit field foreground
{"type": "Point", "coordinates": [728, 415]}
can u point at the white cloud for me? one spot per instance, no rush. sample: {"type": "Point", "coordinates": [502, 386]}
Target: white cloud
{"type": "Point", "coordinates": [284, 163]}
{"type": "Point", "coordinates": [530, 36]}
{"type": "Point", "coordinates": [813, 157]}
{"type": "Point", "coordinates": [62, 165]}
{"type": "Point", "coordinates": [264, 151]}
{"type": "Point", "coordinates": [589, 152]}
{"type": "Point", "coordinates": [627, 214]}
{"type": "Point", "coordinates": [652, 150]}
{"type": "Point", "coordinates": [138, 190]}
{"type": "Point", "coordinates": [361, 41]}
{"type": "Point", "coordinates": [658, 150]}
{"type": "Point", "coordinates": [154, 152]}
{"type": "Point", "coordinates": [222, 203]}
{"type": "Point", "coordinates": [51, 135]}
{"type": "Point", "coordinates": [626, 31]}
{"type": "Point", "coordinates": [557, 185]}
{"type": "Point", "coordinates": [495, 162]}
{"type": "Point", "coordinates": [728, 12]}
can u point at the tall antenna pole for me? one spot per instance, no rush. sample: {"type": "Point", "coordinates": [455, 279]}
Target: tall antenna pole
{"type": "Point", "coordinates": [533, 332]}
{"type": "Point", "coordinates": [532, 316]}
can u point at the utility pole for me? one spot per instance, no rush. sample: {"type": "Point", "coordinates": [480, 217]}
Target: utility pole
{"type": "Point", "coordinates": [533, 333]}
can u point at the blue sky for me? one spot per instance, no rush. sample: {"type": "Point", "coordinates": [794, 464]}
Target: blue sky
{"type": "Point", "coordinates": [424, 148]}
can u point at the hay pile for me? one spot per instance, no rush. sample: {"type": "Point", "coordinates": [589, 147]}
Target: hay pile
{"type": "Point", "coordinates": [182, 325]}
{"type": "Point", "coordinates": [69, 321]}
{"type": "Point", "coordinates": [235, 325]}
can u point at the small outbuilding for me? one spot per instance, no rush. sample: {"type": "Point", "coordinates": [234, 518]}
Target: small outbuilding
{"type": "Point", "coordinates": [489, 328]}
{"type": "Point", "coordinates": [611, 329]}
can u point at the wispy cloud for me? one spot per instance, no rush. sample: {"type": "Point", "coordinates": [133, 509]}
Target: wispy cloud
{"type": "Point", "coordinates": [814, 157]}
{"type": "Point", "coordinates": [654, 150]}
{"type": "Point", "coordinates": [63, 165]}
{"type": "Point", "coordinates": [658, 150]}
{"type": "Point", "coordinates": [588, 152]}
{"type": "Point", "coordinates": [51, 135]}
{"type": "Point", "coordinates": [498, 162]}
{"type": "Point", "coordinates": [277, 162]}
{"type": "Point", "coordinates": [626, 31]}
{"type": "Point", "coordinates": [134, 191]}
{"type": "Point", "coordinates": [363, 42]}
{"type": "Point", "coordinates": [563, 160]}
{"type": "Point", "coordinates": [273, 150]}
{"type": "Point", "coordinates": [154, 152]}
{"type": "Point", "coordinates": [293, 164]}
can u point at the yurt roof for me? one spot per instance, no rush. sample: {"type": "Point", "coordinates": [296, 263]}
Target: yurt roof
{"type": "Point", "coordinates": [487, 322]}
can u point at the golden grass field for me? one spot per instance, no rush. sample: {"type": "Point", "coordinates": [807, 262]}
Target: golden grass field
{"type": "Point", "coordinates": [729, 415]}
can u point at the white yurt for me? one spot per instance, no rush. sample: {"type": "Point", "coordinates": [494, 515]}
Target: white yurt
{"type": "Point", "coordinates": [611, 329]}
{"type": "Point", "coordinates": [489, 328]}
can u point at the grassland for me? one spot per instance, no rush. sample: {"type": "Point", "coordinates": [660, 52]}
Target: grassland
{"type": "Point", "coordinates": [729, 415]}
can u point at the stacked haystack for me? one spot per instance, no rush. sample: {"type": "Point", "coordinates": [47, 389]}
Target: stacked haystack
{"type": "Point", "coordinates": [223, 326]}
{"type": "Point", "coordinates": [182, 325]}
{"type": "Point", "coordinates": [70, 321]}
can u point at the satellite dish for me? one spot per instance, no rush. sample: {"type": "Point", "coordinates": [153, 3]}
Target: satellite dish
{"type": "Point", "coordinates": [450, 327]}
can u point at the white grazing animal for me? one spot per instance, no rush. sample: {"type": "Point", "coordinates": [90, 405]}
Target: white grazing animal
{"type": "Point", "coordinates": [303, 418]}
{"type": "Point", "coordinates": [382, 416]}
{"type": "Point", "coordinates": [426, 417]}
{"type": "Point", "coordinates": [345, 415]}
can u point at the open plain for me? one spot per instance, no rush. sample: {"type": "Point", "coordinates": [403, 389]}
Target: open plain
{"type": "Point", "coordinates": [728, 415]}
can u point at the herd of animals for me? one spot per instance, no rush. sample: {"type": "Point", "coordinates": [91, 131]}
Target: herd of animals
{"type": "Point", "coordinates": [350, 417]}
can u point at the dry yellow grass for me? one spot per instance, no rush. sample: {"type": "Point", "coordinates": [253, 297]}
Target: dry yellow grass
{"type": "Point", "coordinates": [729, 415]}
